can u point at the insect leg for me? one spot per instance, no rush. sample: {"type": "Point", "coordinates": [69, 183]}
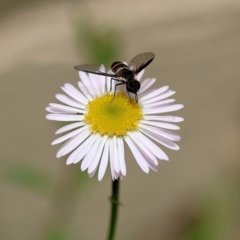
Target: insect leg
{"type": "Point", "coordinates": [111, 83]}
{"type": "Point", "coordinates": [129, 95]}
{"type": "Point", "coordinates": [136, 98]}
{"type": "Point", "coordinates": [116, 88]}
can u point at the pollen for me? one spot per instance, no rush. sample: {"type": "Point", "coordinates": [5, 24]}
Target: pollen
{"type": "Point", "coordinates": [115, 117]}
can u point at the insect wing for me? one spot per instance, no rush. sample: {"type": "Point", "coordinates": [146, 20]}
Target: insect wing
{"type": "Point", "coordinates": [141, 61]}
{"type": "Point", "coordinates": [95, 69]}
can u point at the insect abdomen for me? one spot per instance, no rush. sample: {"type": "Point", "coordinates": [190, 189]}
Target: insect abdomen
{"type": "Point", "coordinates": [122, 70]}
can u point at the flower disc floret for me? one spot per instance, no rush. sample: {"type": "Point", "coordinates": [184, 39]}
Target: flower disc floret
{"type": "Point", "coordinates": [115, 117]}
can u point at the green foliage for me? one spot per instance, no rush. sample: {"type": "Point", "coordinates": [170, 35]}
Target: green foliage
{"type": "Point", "coordinates": [100, 45]}
{"type": "Point", "coordinates": [28, 177]}
{"type": "Point", "coordinates": [202, 229]}
{"type": "Point", "coordinates": [81, 178]}
{"type": "Point", "coordinates": [58, 235]}
{"type": "Point", "coordinates": [211, 220]}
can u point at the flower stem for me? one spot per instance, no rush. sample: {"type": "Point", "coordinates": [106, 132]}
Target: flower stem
{"type": "Point", "coordinates": [114, 209]}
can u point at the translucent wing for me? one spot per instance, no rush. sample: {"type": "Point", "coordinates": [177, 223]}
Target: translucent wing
{"type": "Point", "coordinates": [138, 63]}
{"type": "Point", "coordinates": [95, 69]}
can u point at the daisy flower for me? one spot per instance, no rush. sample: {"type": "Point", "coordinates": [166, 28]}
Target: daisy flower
{"type": "Point", "coordinates": [99, 128]}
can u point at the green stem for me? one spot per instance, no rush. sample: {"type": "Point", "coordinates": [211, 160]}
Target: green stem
{"type": "Point", "coordinates": [114, 209]}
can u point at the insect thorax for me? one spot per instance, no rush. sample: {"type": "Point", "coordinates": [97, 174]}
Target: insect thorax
{"type": "Point", "coordinates": [127, 74]}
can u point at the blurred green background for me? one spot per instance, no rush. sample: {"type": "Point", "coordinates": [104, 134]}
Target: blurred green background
{"type": "Point", "coordinates": [194, 196]}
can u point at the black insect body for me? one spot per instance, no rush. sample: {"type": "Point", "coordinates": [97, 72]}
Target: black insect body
{"type": "Point", "coordinates": [122, 73]}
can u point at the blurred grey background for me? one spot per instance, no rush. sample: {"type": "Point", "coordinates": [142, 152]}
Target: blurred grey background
{"type": "Point", "coordinates": [193, 196]}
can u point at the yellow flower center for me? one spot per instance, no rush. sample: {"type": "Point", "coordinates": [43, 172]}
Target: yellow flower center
{"type": "Point", "coordinates": [113, 118]}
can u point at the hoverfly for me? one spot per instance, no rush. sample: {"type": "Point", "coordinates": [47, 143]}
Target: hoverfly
{"type": "Point", "coordinates": [122, 73]}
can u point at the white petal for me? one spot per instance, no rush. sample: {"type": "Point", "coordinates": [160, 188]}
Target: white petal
{"type": "Point", "coordinates": [170, 135]}
{"type": "Point", "coordinates": [154, 93]}
{"type": "Point", "coordinates": [137, 154]}
{"type": "Point", "coordinates": [139, 76]}
{"type": "Point", "coordinates": [102, 80]}
{"type": "Point", "coordinates": [85, 91]}
{"type": "Point", "coordinates": [69, 127]}
{"type": "Point", "coordinates": [108, 81]}
{"type": "Point", "coordinates": [67, 136]}
{"type": "Point", "coordinates": [161, 140]}
{"type": "Point", "coordinates": [92, 173]}
{"type": "Point", "coordinates": [66, 108]}
{"type": "Point", "coordinates": [147, 154]}
{"type": "Point", "coordinates": [96, 159]}
{"type": "Point", "coordinates": [146, 84]}
{"type": "Point", "coordinates": [104, 161]}
{"type": "Point", "coordinates": [121, 156]}
{"type": "Point", "coordinates": [153, 167]}
{"type": "Point", "coordinates": [160, 103]}
{"type": "Point", "coordinates": [164, 118]}
{"type": "Point", "coordinates": [170, 108]}
{"type": "Point", "coordinates": [115, 169]}
{"type": "Point", "coordinates": [118, 175]}
{"type": "Point", "coordinates": [111, 158]}
{"type": "Point", "coordinates": [69, 101]}
{"type": "Point", "coordinates": [82, 150]}
{"type": "Point", "coordinates": [56, 110]}
{"type": "Point", "coordinates": [64, 117]}
{"type": "Point", "coordinates": [157, 151]}
{"type": "Point", "coordinates": [115, 151]}
{"type": "Point", "coordinates": [84, 78]}
{"type": "Point", "coordinates": [94, 85]}
{"type": "Point", "coordinates": [74, 93]}
{"type": "Point", "coordinates": [160, 124]}
{"type": "Point", "coordinates": [103, 84]}
{"type": "Point", "coordinates": [87, 160]}
{"type": "Point", "coordinates": [73, 143]}
{"type": "Point", "coordinates": [159, 97]}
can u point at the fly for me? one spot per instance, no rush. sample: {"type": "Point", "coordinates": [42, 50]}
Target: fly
{"type": "Point", "coordinates": [122, 73]}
